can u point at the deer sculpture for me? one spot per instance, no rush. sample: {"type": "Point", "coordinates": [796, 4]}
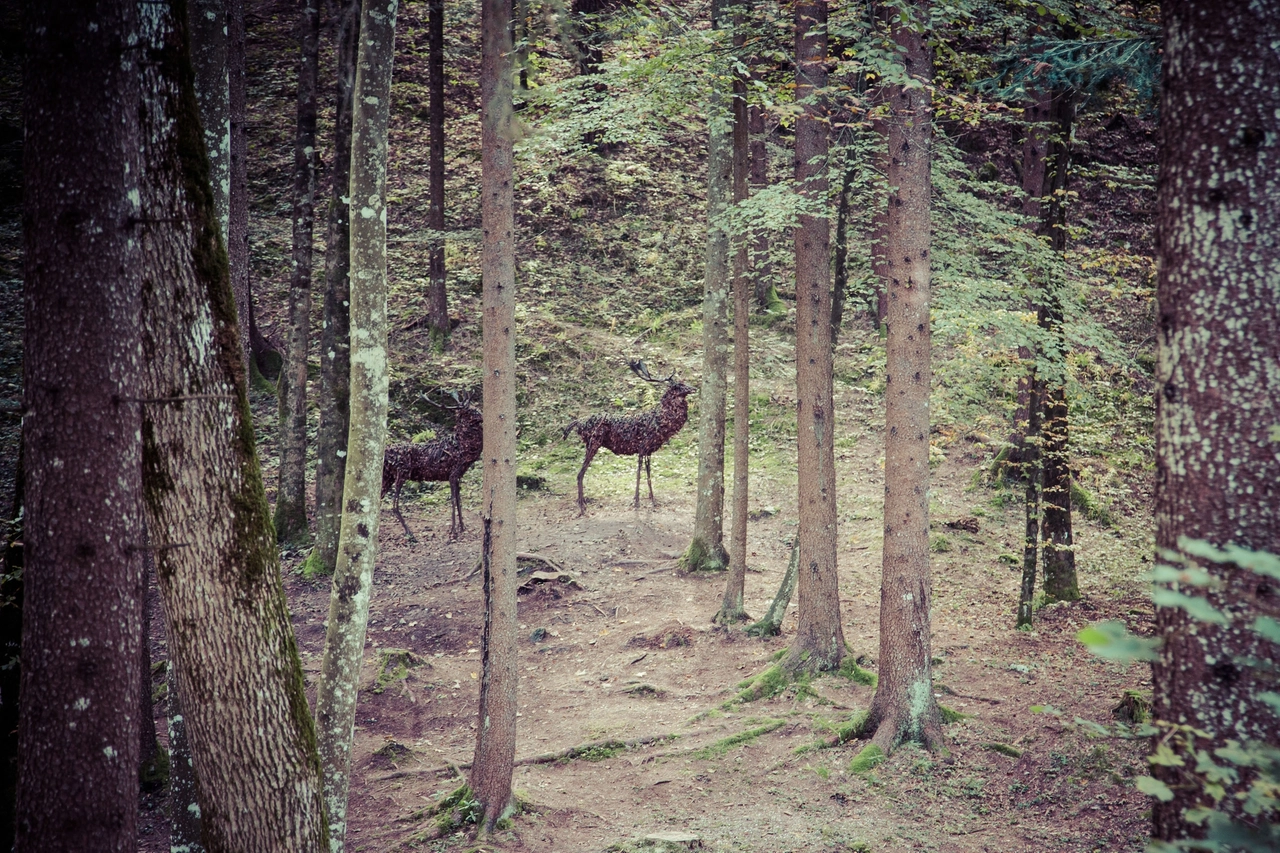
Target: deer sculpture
{"type": "Point", "coordinates": [445, 458]}
{"type": "Point", "coordinates": [636, 435]}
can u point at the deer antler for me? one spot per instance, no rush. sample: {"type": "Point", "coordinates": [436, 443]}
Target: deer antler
{"type": "Point", "coordinates": [638, 368]}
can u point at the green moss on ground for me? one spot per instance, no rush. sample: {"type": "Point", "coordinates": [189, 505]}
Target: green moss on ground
{"type": "Point", "coordinates": [720, 747]}
{"type": "Point", "coordinates": [866, 760]}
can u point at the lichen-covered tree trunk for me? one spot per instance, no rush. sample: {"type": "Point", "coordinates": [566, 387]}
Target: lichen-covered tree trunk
{"type": "Point", "coordinates": [495, 754]}
{"type": "Point", "coordinates": [1218, 370]}
{"type": "Point", "coordinates": [226, 618]}
{"type": "Point", "coordinates": [291, 494]}
{"type": "Point", "coordinates": [819, 642]}
{"type": "Point", "coordinates": [208, 27]}
{"type": "Point", "coordinates": [184, 800]}
{"type": "Point", "coordinates": [337, 690]}
{"type": "Point", "coordinates": [335, 337]}
{"type": "Point", "coordinates": [78, 731]}
{"type": "Point", "coordinates": [904, 706]}
{"type": "Point", "coordinates": [731, 605]}
{"type": "Point", "coordinates": [706, 551]}
{"type": "Point", "coordinates": [438, 298]}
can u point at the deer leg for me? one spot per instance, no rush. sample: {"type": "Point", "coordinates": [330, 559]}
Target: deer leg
{"type": "Point", "coordinates": [395, 496]}
{"type": "Point", "coordinates": [648, 475]}
{"type": "Point", "coordinates": [639, 465]}
{"type": "Point", "coordinates": [455, 507]}
{"type": "Point", "coordinates": [586, 463]}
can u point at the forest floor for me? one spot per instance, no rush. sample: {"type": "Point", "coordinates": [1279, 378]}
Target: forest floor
{"type": "Point", "coordinates": [631, 668]}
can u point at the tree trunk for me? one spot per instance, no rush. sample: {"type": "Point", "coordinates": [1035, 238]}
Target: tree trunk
{"type": "Point", "coordinates": [10, 653]}
{"type": "Point", "coordinates": [336, 692]}
{"type": "Point", "coordinates": [230, 639]}
{"type": "Point", "coordinates": [1031, 470]}
{"type": "Point", "coordinates": [731, 606]}
{"type": "Point", "coordinates": [495, 754]}
{"type": "Point", "coordinates": [904, 706]}
{"type": "Point", "coordinates": [1217, 404]}
{"type": "Point", "coordinates": [438, 299]}
{"type": "Point", "coordinates": [208, 24]}
{"type": "Point", "coordinates": [706, 552]}
{"type": "Point", "coordinates": [291, 495]}
{"type": "Point", "coordinates": [819, 642]}
{"type": "Point", "coordinates": [842, 250]}
{"type": "Point", "coordinates": [237, 234]}
{"type": "Point", "coordinates": [770, 625]}
{"type": "Point", "coordinates": [83, 580]}
{"type": "Point", "coordinates": [184, 802]}
{"type": "Point", "coordinates": [764, 291]}
{"type": "Point", "coordinates": [335, 338]}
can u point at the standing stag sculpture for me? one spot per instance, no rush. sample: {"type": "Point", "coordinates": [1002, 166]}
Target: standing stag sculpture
{"type": "Point", "coordinates": [445, 458]}
{"type": "Point", "coordinates": [637, 435]}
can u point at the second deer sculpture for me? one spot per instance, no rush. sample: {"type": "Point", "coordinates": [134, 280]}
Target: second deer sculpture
{"type": "Point", "coordinates": [635, 435]}
{"type": "Point", "coordinates": [445, 458]}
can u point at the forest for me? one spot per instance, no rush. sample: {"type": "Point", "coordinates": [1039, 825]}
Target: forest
{"type": "Point", "coordinates": [858, 425]}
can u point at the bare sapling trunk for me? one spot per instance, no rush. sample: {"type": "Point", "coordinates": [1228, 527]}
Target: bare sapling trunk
{"type": "Point", "coordinates": [494, 762]}
{"type": "Point", "coordinates": [1217, 402]}
{"type": "Point", "coordinates": [226, 618]}
{"type": "Point", "coordinates": [1031, 470]}
{"type": "Point", "coordinates": [335, 337]}
{"type": "Point", "coordinates": [841, 288]}
{"type": "Point", "coordinates": [731, 606]}
{"type": "Point", "coordinates": [82, 613]}
{"type": "Point", "coordinates": [438, 299]}
{"type": "Point", "coordinates": [819, 642]}
{"type": "Point", "coordinates": [770, 625]}
{"type": "Point", "coordinates": [706, 551]}
{"type": "Point", "coordinates": [904, 707]}
{"type": "Point", "coordinates": [291, 494]}
{"type": "Point", "coordinates": [339, 682]}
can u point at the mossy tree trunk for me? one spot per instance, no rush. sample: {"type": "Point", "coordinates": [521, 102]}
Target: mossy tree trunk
{"type": "Point", "coordinates": [291, 494]}
{"type": "Point", "coordinates": [819, 642]}
{"type": "Point", "coordinates": [731, 606]}
{"type": "Point", "coordinates": [78, 731]}
{"type": "Point", "coordinates": [706, 552]}
{"type": "Point", "coordinates": [230, 639]}
{"type": "Point", "coordinates": [437, 298]}
{"type": "Point", "coordinates": [337, 689]}
{"type": "Point", "coordinates": [494, 762]}
{"type": "Point", "coordinates": [1217, 396]}
{"type": "Point", "coordinates": [770, 625]}
{"type": "Point", "coordinates": [904, 707]}
{"type": "Point", "coordinates": [335, 336]}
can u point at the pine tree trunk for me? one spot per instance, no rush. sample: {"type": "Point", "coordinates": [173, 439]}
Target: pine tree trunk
{"type": "Point", "coordinates": [438, 300]}
{"type": "Point", "coordinates": [291, 495]}
{"type": "Point", "coordinates": [770, 625]}
{"type": "Point", "coordinates": [904, 706]}
{"type": "Point", "coordinates": [1031, 470]}
{"type": "Point", "coordinates": [763, 289]}
{"type": "Point", "coordinates": [336, 692]}
{"type": "Point", "coordinates": [237, 235]}
{"type": "Point", "coordinates": [335, 337]}
{"type": "Point", "coordinates": [495, 754]}
{"type": "Point", "coordinates": [184, 804]}
{"type": "Point", "coordinates": [10, 650]}
{"type": "Point", "coordinates": [731, 606]}
{"type": "Point", "coordinates": [819, 642]}
{"type": "Point", "coordinates": [227, 622]}
{"type": "Point", "coordinates": [78, 732]}
{"type": "Point", "coordinates": [1217, 401]}
{"type": "Point", "coordinates": [842, 251]}
{"type": "Point", "coordinates": [706, 552]}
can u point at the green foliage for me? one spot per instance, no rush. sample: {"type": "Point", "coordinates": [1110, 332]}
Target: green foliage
{"type": "Point", "coordinates": [867, 760]}
{"type": "Point", "coordinates": [458, 809]}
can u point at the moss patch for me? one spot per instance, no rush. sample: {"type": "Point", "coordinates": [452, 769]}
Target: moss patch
{"type": "Point", "coordinates": [720, 747]}
{"type": "Point", "coordinates": [849, 669]}
{"type": "Point", "coordinates": [866, 760]}
{"type": "Point", "coordinates": [950, 716]}
{"type": "Point", "coordinates": [1003, 749]}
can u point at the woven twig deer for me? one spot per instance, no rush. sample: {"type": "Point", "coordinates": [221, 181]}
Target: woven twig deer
{"type": "Point", "coordinates": [445, 458]}
{"type": "Point", "coordinates": [637, 435]}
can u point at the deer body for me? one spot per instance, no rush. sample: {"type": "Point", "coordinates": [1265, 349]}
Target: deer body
{"type": "Point", "coordinates": [438, 460]}
{"type": "Point", "coordinates": [637, 435]}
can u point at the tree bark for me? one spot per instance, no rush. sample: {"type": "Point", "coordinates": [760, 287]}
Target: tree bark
{"type": "Point", "coordinates": [438, 299]}
{"type": "Point", "coordinates": [841, 287]}
{"type": "Point", "coordinates": [904, 706]}
{"type": "Point", "coordinates": [731, 606]}
{"type": "Point", "coordinates": [770, 625]}
{"type": "Point", "coordinates": [344, 642]}
{"type": "Point", "coordinates": [239, 676]}
{"type": "Point", "coordinates": [291, 494]}
{"type": "Point", "coordinates": [78, 731]}
{"type": "Point", "coordinates": [764, 291]}
{"type": "Point", "coordinates": [10, 653]}
{"type": "Point", "coordinates": [819, 642]}
{"type": "Point", "coordinates": [1217, 395]}
{"type": "Point", "coordinates": [495, 754]}
{"type": "Point", "coordinates": [706, 551]}
{"type": "Point", "coordinates": [335, 337]}
{"type": "Point", "coordinates": [1031, 470]}
{"type": "Point", "coordinates": [208, 24]}
{"type": "Point", "coordinates": [237, 234]}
